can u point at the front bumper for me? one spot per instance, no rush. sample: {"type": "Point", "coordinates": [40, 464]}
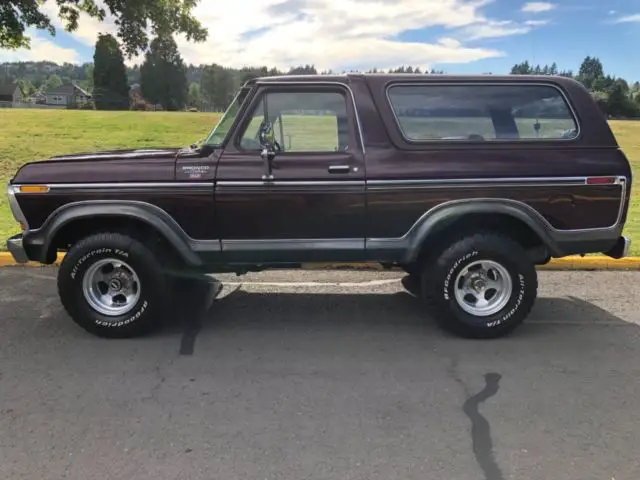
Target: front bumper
{"type": "Point", "coordinates": [16, 248]}
{"type": "Point", "coordinates": [621, 249]}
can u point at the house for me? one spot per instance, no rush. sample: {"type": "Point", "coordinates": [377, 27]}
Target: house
{"type": "Point", "coordinates": [67, 94]}
{"type": "Point", "coordinates": [11, 93]}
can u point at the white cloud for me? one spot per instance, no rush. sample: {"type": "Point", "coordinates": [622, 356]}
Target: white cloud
{"type": "Point", "coordinates": [629, 19]}
{"type": "Point", "coordinates": [538, 7]}
{"type": "Point", "coordinates": [449, 42]}
{"type": "Point", "coordinates": [536, 23]}
{"type": "Point", "coordinates": [331, 34]}
{"type": "Point", "coordinates": [41, 49]}
{"type": "Point", "coordinates": [88, 27]}
{"type": "Point", "coordinates": [495, 29]}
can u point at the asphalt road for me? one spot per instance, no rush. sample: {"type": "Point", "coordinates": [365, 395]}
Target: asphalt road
{"type": "Point", "coordinates": [345, 379]}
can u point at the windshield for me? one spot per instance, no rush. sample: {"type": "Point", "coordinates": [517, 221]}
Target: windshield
{"type": "Point", "coordinates": [219, 133]}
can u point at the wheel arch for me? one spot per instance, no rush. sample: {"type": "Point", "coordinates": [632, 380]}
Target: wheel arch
{"type": "Point", "coordinates": [456, 218]}
{"type": "Point", "coordinates": [101, 215]}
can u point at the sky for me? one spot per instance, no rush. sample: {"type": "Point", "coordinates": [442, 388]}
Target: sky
{"type": "Point", "coordinates": [457, 36]}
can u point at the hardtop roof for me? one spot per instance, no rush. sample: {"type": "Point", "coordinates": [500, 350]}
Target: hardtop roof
{"type": "Point", "coordinates": [413, 78]}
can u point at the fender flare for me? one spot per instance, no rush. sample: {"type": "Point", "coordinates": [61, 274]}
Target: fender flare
{"type": "Point", "coordinates": [158, 219]}
{"type": "Point", "coordinates": [432, 221]}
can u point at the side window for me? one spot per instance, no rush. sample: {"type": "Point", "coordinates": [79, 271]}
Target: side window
{"type": "Point", "coordinates": [302, 121]}
{"type": "Point", "coordinates": [481, 112]}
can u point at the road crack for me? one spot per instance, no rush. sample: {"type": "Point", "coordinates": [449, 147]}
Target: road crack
{"type": "Point", "coordinates": [481, 430]}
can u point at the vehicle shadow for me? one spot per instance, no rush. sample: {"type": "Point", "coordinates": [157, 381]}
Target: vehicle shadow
{"type": "Point", "coordinates": [238, 311]}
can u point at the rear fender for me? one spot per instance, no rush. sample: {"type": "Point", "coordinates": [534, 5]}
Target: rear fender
{"type": "Point", "coordinates": [433, 221]}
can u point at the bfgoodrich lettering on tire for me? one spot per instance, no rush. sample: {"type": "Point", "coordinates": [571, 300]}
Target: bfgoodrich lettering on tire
{"type": "Point", "coordinates": [481, 286]}
{"type": "Point", "coordinates": [112, 286]}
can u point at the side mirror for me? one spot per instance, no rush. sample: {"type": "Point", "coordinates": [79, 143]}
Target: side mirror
{"type": "Point", "coordinates": [270, 148]}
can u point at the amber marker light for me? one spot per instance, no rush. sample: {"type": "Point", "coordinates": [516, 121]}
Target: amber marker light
{"type": "Point", "coordinates": [34, 188]}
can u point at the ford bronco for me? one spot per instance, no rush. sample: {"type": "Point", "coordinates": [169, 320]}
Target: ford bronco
{"type": "Point", "coordinates": [465, 182]}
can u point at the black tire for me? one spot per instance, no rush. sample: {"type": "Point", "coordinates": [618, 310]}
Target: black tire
{"type": "Point", "coordinates": [145, 315]}
{"type": "Point", "coordinates": [439, 278]}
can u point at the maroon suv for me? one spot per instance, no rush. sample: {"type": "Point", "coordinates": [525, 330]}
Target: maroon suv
{"type": "Point", "coordinates": [467, 183]}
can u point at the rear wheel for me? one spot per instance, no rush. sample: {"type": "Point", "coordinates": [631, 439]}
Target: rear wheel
{"type": "Point", "coordinates": [112, 286]}
{"type": "Point", "coordinates": [481, 286]}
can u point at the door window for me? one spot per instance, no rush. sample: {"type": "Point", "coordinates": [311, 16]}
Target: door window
{"type": "Point", "coordinates": [302, 121]}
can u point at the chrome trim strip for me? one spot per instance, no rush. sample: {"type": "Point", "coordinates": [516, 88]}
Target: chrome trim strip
{"type": "Point", "coordinates": [71, 186]}
{"type": "Point", "coordinates": [142, 153]}
{"type": "Point", "coordinates": [392, 83]}
{"type": "Point", "coordinates": [292, 183]}
{"type": "Point", "coordinates": [17, 212]}
{"type": "Point", "coordinates": [466, 182]}
{"type": "Point", "coordinates": [519, 181]}
{"type": "Point", "coordinates": [319, 82]}
{"type": "Point", "coordinates": [302, 241]}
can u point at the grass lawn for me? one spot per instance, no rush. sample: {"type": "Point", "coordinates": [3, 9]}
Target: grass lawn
{"type": "Point", "coordinates": [28, 135]}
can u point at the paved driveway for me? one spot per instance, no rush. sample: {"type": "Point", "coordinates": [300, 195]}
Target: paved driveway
{"type": "Point", "coordinates": [344, 379]}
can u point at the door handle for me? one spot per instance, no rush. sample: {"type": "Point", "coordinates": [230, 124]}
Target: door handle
{"type": "Point", "coordinates": [339, 169]}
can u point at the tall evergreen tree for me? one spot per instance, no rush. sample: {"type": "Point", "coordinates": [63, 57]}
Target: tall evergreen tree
{"type": "Point", "coordinates": [590, 71]}
{"type": "Point", "coordinates": [110, 88]}
{"type": "Point", "coordinates": [163, 74]}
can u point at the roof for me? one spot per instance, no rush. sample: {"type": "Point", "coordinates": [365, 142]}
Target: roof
{"type": "Point", "coordinates": [8, 89]}
{"type": "Point", "coordinates": [67, 89]}
{"type": "Point", "coordinates": [387, 77]}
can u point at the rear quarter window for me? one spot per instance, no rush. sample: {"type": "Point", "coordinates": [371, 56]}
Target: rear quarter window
{"type": "Point", "coordinates": [472, 113]}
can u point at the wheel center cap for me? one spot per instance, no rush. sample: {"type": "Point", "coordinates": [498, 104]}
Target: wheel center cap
{"type": "Point", "coordinates": [479, 285]}
{"type": "Point", "coordinates": [115, 284]}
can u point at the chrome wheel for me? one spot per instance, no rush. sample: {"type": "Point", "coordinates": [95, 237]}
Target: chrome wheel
{"type": "Point", "coordinates": [111, 287]}
{"type": "Point", "coordinates": [483, 288]}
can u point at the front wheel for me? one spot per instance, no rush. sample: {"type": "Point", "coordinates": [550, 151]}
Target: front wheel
{"type": "Point", "coordinates": [112, 286]}
{"type": "Point", "coordinates": [481, 286]}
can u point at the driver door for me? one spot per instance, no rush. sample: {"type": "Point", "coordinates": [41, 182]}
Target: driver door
{"type": "Point", "coordinates": [313, 208]}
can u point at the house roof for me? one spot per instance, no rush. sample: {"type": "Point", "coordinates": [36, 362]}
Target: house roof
{"type": "Point", "coordinates": [67, 89]}
{"type": "Point", "coordinates": [8, 89]}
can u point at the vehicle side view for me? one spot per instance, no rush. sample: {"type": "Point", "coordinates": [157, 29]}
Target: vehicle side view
{"type": "Point", "coordinates": [465, 182]}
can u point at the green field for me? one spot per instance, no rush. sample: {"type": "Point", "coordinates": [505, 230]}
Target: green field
{"type": "Point", "coordinates": [28, 135]}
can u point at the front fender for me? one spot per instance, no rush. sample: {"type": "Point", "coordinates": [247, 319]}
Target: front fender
{"type": "Point", "coordinates": [38, 242]}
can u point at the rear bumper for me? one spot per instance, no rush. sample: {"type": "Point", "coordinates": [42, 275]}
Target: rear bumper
{"type": "Point", "coordinates": [16, 248]}
{"type": "Point", "coordinates": [621, 249]}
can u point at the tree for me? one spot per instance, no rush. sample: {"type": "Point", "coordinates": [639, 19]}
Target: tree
{"type": "Point", "coordinates": [619, 102]}
{"type": "Point", "coordinates": [522, 69]}
{"type": "Point", "coordinates": [110, 88]}
{"type": "Point", "coordinates": [303, 70]}
{"type": "Point", "coordinates": [590, 71]}
{"type": "Point", "coordinates": [132, 17]}
{"type": "Point", "coordinates": [54, 81]}
{"type": "Point", "coordinates": [218, 84]}
{"type": "Point", "coordinates": [163, 74]}
{"type": "Point", "coordinates": [26, 87]}
{"type": "Point", "coordinates": [88, 73]}
{"type": "Point", "coordinates": [194, 97]}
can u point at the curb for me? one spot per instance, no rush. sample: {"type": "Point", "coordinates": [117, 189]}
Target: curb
{"type": "Point", "coordinates": [565, 263]}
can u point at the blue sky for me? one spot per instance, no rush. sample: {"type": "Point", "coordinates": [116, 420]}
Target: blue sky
{"type": "Point", "coordinates": [458, 36]}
